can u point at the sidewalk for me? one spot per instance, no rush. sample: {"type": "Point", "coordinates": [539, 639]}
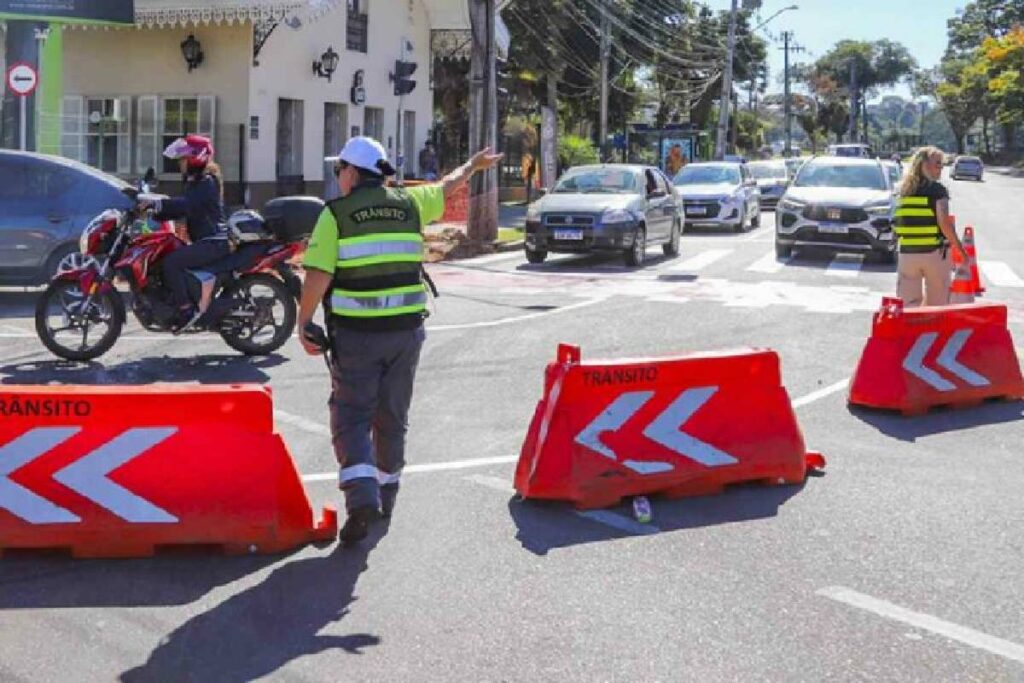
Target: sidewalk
{"type": "Point", "coordinates": [448, 240]}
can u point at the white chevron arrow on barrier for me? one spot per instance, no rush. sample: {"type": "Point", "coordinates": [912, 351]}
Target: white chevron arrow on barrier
{"type": "Point", "coordinates": [87, 476]}
{"type": "Point", "coordinates": [914, 362]}
{"type": "Point", "coordinates": [664, 430]}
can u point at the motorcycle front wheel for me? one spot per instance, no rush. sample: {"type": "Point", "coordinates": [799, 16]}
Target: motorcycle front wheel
{"type": "Point", "coordinates": [73, 331]}
{"type": "Point", "coordinates": [262, 318]}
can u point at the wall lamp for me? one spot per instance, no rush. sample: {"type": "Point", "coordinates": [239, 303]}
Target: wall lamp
{"type": "Point", "coordinates": [327, 64]}
{"type": "Point", "coordinates": [192, 51]}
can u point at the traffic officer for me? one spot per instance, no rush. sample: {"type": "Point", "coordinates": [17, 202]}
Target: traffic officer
{"type": "Point", "coordinates": [365, 264]}
{"type": "Point", "coordinates": [925, 231]}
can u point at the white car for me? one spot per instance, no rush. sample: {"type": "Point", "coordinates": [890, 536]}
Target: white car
{"type": "Point", "coordinates": [772, 178]}
{"type": "Point", "coordinates": [719, 194]}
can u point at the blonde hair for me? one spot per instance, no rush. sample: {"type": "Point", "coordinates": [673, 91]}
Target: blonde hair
{"type": "Point", "coordinates": [915, 177]}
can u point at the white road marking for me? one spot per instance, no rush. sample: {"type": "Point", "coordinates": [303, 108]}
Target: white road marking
{"type": "Point", "coordinates": [845, 265]}
{"type": "Point", "coordinates": [821, 393]}
{"type": "Point", "coordinates": [1000, 274]}
{"type": "Point", "coordinates": [519, 319]}
{"type": "Point", "coordinates": [769, 263]}
{"type": "Point", "coordinates": [605, 517]}
{"type": "Point", "coordinates": [927, 622]}
{"type": "Point", "coordinates": [700, 261]}
{"type": "Point", "coordinates": [429, 467]}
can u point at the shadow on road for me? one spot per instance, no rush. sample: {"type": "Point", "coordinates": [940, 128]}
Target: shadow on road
{"type": "Point", "coordinates": [939, 421]}
{"type": "Point", "coordinates": [33, 582]}
{"type": "Point", "coordinates": [18, 304]}
{"type": "Point", "coordinates": [544, 526]}
{"type": "Point", "coordinates": [206, 369]}
{"type": "Point", "coordinates": [256, 632]}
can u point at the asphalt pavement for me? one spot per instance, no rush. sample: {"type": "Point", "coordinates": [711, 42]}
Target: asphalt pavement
{"type": "Point", "coordinates": [901, 563]}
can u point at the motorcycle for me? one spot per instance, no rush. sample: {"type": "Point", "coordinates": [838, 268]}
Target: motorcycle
{"type": "Point", "coordinates": [249, 296]}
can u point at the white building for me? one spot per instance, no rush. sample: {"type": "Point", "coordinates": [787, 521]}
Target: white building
{"type": "Point", "coordinates": [129, 91]}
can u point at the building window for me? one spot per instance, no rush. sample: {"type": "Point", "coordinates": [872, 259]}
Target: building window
{"type": "Point", "coordinates": [356, 27]}
{"type": "Point", "coordinates": [181, 116]}
{"type": "Point", "coordinates": [373, 123]}
{"type": "Point", "coordinates": [335, 127]}
{"type": "Point", "coordinates": [108, 133]}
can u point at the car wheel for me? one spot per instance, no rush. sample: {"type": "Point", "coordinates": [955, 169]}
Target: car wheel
{"type": "Point", "coordinates": [672, 248]}
{"type": "Point", "coordinates": [536, 256]}
{"type": "Point", "coordinates": [783, 250]}
{"type": "Point", "coordinates": [889, 257]}
{"type": "Point", "coordinates": [634, 256]}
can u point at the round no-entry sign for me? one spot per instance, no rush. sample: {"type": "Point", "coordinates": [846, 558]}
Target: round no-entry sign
{"type": "Point", "coordinates": [22, 79]}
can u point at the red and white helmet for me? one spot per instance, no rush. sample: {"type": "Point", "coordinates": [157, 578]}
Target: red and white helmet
{"type": "Point", "coordinates": [196, 149]}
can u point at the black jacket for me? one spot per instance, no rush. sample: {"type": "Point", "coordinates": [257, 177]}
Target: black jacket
{"type": "Point", "coordinates": [200, 206]}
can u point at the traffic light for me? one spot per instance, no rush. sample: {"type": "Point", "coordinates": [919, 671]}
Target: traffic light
{"type": "Point", "coordinates": [403, 70]}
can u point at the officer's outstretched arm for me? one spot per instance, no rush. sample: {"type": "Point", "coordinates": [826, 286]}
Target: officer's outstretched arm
{"type": "Point", "coordinates": [481, 161]}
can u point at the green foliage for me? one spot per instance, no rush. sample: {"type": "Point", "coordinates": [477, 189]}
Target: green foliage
{"type": "Point", "coordinates": [576, 151]}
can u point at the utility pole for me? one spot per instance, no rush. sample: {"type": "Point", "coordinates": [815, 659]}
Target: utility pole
{"type": "Point", "coordinates": [723, 111]}
{"type": "Point", "coordinates": [853, 101]}
{"type": "Point", "coordinates": [787, 47]}
{"type": "Point", "coordinates": [606, 51]}
{"type": "Point", "coordinates": [483, 121]}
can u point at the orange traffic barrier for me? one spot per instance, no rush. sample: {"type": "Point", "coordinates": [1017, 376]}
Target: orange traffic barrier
{"type": "Point", "coordinates": [132, 471]}
{"type": "Point", "coordinates": [680, 426]}
{"type": "Point", "coordinates": [972, 261]}
{"type": "Point", "coordinates": [924, 357]}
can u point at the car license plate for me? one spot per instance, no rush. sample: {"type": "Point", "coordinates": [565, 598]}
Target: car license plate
{"type": "Point", "coordinates": [568, 234]}
{"type": "Point", "coordinates": [833, 228]}
{"type": "Point", "coordinates": [696, 211]}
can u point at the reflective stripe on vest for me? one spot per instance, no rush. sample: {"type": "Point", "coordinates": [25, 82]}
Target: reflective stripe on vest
{"type": "Point", "coordinates": [368, 250]}
{"type": "Point", "coordinates": [379, 303]}
{"type": "Point", "coordinates": [916, 225]}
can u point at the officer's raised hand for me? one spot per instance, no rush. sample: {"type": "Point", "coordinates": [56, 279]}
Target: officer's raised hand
{"type": "Point", "coordinates": [481, 161]}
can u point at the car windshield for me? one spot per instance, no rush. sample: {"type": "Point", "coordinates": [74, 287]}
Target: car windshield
{"type": "Point", "coordinates": [840, 175]}
{"type": "Point", "coordinates": [598, 181]}
{"type": "Point", "coordinates": [768, 171]}
{"type": "Point", "coordinates": [696, 174]}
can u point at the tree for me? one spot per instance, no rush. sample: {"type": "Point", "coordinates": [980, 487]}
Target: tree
{"type": "Point", "coordinates": [961, 98]}
{"type": "Point", "coordinates": [1003, 60]}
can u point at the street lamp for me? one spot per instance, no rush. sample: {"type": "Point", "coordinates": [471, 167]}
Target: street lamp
{"type": "Point", "coordinates": [327, 64]}
{"type": "Point", "coordinates": [763, 23]}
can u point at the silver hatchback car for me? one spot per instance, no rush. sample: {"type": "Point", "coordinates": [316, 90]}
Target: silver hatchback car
{"type": "Point", "coordinates": [719, 194]}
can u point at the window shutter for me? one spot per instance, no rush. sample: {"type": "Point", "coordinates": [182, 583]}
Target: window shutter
{"type": "Point", "coordinates": [207, 116]}
{"type": "Point", "coordinates": [123, 114]}
{"type": "Point", "coordinates": [147, 140]}
{"type": "Point", "coordinates": [72, 127]}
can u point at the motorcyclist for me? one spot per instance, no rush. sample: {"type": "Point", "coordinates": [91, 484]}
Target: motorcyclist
{"type": "Point", "coordinates": [202, 207]}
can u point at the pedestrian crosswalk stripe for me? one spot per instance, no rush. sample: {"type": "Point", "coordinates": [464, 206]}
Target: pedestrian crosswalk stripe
{"type": "Point", "coordinates": [701, 260]}
{"type": "Point", "coordinates": [845, 265]}
{"type": "Point", "coordinates": [769, 263]}
{"type": "Point", "coordinates": [1000, 274]}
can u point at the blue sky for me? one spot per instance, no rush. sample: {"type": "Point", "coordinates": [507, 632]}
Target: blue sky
{"type": "Point", "coordinates": [819, 24]}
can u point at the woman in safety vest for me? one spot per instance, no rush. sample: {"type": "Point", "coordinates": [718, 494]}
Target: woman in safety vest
{"type": "Point", "coordinates": [925, 231]}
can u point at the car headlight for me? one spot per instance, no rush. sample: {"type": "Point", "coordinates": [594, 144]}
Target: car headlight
{"type": "Point", "coordinates": [533, 214]}
{"type": "Point", "coordinates": [879, 210]}
{"type": "Point", "coordinates": [617, 216]}
{"type": "Point", "coordinates": [792, 204]}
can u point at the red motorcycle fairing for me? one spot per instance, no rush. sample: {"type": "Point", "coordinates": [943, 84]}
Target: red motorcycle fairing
{"type": "Point", "coordinates": [86, 279]}
{"type": "Point", "coordinates": [146, 250]}
{"type": "Point", "coordinates": [273, 258]}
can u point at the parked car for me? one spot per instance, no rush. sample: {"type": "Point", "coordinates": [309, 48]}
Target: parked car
{"type": "Point", "coordinates": [845, 204]}
{"type": "Point", "coordinates": [772, 179]}
{"type": "Point", "coordinates": [719, 194]}
{"type": "Point", "coordinates": [967, 167]}
{"type": "Point", "coordinates": [45, 203]}
{"type": "Point", "coordinates": [855, 149]}
{"type": "Point", "coordinates": [620, 208]}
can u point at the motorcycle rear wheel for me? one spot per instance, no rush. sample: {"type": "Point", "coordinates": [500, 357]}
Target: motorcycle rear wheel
{"type": "Point", "coordinates": [61, 301]}
{"type": "Point", "coordinates": [275, 313]}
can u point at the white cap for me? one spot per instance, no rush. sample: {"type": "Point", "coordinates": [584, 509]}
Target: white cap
{"type": "Point", "coordinates": [367, 154]}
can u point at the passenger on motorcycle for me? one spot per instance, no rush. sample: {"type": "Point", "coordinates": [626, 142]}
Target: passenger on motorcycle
{"type": "Point", "coordinates": [202, 207]}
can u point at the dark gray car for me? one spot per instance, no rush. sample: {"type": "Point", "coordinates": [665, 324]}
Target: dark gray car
{"type": "Point", "coordinates": [45, 203]}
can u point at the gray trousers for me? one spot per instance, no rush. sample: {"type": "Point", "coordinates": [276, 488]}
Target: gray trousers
{"type": "Point", "coordinates": [372, 381]}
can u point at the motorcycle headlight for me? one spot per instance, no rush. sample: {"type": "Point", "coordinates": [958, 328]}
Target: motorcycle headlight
{"type": "Point", "coordinates": [792, 205]}
{"type": "Point", "coordinates": [617, 216]}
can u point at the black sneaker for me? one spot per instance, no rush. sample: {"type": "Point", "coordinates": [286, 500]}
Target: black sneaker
{"type": "Point", "coordinates": [388, 497]}
{"type": "Point", "coordinates": [357, 526]}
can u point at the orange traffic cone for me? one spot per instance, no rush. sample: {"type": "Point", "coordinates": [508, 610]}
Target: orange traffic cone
{"type": "Point", "coordinates": [972, 258]}
{"type": "Point", "coordinates": [962, 289]}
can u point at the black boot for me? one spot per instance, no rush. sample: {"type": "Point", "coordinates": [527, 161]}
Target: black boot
{"type": "Point", "coordinates": [357, 526]}
{"type": "Point", "coordinates": [388, 497]}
